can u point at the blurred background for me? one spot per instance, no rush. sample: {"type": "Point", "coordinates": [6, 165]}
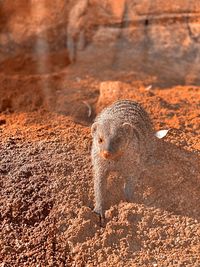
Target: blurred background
{"type": "Point", "coordinates": [45, 45]}
{"type": "Point", "coordinates": [156, 37]}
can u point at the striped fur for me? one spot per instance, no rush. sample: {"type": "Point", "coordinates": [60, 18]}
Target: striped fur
{"type": "Point", "coordinates": [131, 112]}
{"type": "Point", "coordinates": [123, 139]}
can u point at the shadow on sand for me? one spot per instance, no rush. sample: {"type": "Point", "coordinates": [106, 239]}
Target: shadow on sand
{"type": "Point", "coordinates": [170, 182]}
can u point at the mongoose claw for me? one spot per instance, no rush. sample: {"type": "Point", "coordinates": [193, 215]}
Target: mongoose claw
{"type": "Point", "coordinates": [101, 216]}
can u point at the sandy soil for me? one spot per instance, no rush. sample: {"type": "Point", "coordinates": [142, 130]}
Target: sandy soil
{"type": "Point", "coordinates": [46, 183]}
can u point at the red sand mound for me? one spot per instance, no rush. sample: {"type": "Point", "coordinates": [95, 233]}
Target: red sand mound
{"type": "Point", "coordinates": [46, 184]}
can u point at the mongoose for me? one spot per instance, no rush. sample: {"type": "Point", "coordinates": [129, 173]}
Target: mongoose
{"type": "Point", "coordinates": [123, 139]}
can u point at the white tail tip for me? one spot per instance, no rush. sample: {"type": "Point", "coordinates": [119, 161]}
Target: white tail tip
{"type": "Point", "coordinates": [162, 133]}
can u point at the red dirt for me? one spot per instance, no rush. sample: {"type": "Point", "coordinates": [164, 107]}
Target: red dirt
{"type": "Point", "coordinates": [46, 184]}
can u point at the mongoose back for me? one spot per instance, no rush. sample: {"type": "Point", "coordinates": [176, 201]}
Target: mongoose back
{"type": "Point", "coordinates": [123, 139]}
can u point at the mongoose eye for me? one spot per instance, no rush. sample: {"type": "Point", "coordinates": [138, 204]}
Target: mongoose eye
{"type": "Point", "coordinates": [100, 140]}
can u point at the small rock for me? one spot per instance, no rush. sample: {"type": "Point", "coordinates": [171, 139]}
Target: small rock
{"type": "Point", "coordinates": [111, 91]}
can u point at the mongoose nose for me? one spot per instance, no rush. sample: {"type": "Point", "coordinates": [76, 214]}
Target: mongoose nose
{"type": "Point", "coordinates": [106, 154]}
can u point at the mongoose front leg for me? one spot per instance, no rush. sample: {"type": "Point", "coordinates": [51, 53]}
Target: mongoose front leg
{"type": "Point", "coordinates": [100, 179]}
{"type": "Point", "coordinates": [129, 187]}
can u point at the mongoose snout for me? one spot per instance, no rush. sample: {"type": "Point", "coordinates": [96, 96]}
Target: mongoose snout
{"type": "Point", "coordinates": [106, 154]}
{"type": "Point", "coordinates": [109, 155]}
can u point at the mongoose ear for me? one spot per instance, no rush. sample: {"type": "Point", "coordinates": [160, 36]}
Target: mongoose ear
{"type": "Point", "coordinates": [94, 128]}
{"type": "Point", "coordinates": [127, 127]}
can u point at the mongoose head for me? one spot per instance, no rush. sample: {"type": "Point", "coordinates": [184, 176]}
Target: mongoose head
{"type": "Point", "coordinates": [111, 138]}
